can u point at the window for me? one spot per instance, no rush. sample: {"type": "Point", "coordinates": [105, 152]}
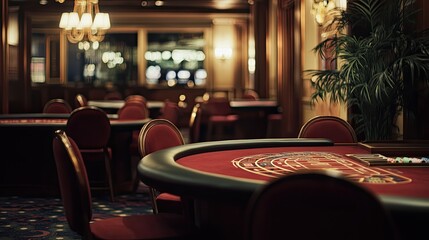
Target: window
{"type": "Point", "coordinates": [175, 59]}
{"type": "Point", "coordinates": [112, 61]}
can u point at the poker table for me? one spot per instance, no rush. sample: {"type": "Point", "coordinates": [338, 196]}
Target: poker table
{"type": "Point", "coordinates": [27, 166]}
{"type": "Point", "coordinates": [217, 178]}
{"type": "Point", "coordinates": [253, 115]}
{"type": "Point", "coordinates": [112, 106]}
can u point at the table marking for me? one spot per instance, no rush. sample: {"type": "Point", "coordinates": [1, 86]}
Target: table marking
{"type": "Point", "coordinates": [278, 164]}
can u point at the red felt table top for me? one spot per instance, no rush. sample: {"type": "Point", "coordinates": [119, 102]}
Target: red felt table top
{"type": "Point", "coordinates": [268, 163]}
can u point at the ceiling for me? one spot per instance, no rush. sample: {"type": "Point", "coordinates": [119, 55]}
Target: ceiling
{"type": "Point", "coordinates": [140, 12]}
{"type": "Point", "coordinates": [233, 6]}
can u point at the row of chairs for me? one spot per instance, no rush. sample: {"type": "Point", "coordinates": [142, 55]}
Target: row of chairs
{"type": "Point", "coordinates": [331, 127]}
{"type": "Point", "coordinates": [331, 206]}
{"type": "Point", "coordinates": [59, 105]}
{"type": "Point", "coordinates": [76, 197]}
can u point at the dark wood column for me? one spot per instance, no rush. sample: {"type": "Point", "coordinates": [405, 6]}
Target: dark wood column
{"type": "Point", "coordinates": [289, 66]}
{"type": "Point", "coordinates": [416, 115]}
{"type": "Point", "coordinates": [260, 19]}
{"type": "Point", "coordinates": [4, 57]}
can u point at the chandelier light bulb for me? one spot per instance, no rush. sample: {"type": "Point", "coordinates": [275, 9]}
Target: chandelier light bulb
{"type": "Point", "coordinates": [86, 22]}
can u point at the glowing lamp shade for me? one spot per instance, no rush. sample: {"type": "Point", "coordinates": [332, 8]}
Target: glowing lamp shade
{"type": "Point", "coordinates": [101, 21]}
{"type": "Point", "coordinates": [86, 22]}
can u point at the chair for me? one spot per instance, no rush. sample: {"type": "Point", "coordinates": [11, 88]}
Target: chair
{"type": "Point", "coordinates": [90, 127]}
{"type": "Point", "coordinates": [132, 111]}
{"type": "Point", "coordinates": [170, 111]}
{"type": "Point", "coordinates": [316, 205]}
{"type": "Point", "coordinates": [136, 97]}
{"type": "Point", "coordinates": [76, 197]}
{"type": "Point", "coordinates": [250, 94]}
{"type": "Point", "coordinates": [274, 125]}
{"type": "Point", "coordinates": [80, 101]}
{"type": "Point", "coordinates": [138, 102]}
{"type": "Point", "coordinates": [219, 118]}
{"type": "Point", "coordinates": [156, 135]}
{"type": "Point", "coordinates": [195, 124]}
{"type": "Point", "coordinates": [57, 105]}
{"type": "Point", "coordinates": [331, 127]}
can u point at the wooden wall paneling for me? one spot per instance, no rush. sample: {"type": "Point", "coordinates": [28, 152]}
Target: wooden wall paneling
{"type": "Point", "coordinates": [4, 105]}
{"type": "Point", "coordinates": [289, 66]}
{"type": "Point", "coordinates": [416, 118]}
{"type": "Point", "coordinates": [260, 19]}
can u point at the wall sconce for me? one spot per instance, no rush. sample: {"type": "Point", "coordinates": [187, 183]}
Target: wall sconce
{"type": "Point", "coordinates": [320, 8]}
{"type": "Point", "coordinates": [13, 30]}
{"type": "Point", "coordinates": [223, 53]}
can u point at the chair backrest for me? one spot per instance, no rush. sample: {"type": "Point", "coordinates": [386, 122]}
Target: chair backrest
{"type": "Point", "coordinates": [80, 101]}
{"type": "Point", "coordinates": [133, 111]}
{"type": "Point", "coordinates": [73, 181]}
{"type": "Point", "coordinates": [158, 134]}
{"type": "Point", "coordinates": [136, 97]}
{"type": "Point", "coordinates": [89, 127]}
{"type": "Point", "coordinates": [331, 127]}
{"type": "Point", "coordinates": [316, 205]}
{"type": "Point", "coordinates": [195, 124]}
{"type": "Point", "coordinates": [170, 111]}
{"type": "Point", "coordinates": [57, 105]}
{"type": "Point", "coordinates": [217, 106]}
{"type": "Point", "coordinates": [250, 94]}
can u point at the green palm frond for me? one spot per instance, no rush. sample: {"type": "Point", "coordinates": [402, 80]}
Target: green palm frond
{"type": "Point", "coordinates": [377, 63]}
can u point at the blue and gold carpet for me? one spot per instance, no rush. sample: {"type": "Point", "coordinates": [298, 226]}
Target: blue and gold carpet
{"type": "Point", "coordinates": [43, 218]}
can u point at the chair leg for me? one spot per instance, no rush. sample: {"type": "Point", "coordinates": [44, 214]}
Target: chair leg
{"type": "Point", "coordinates": [152, 193]}
{"type": "Point", "coordinates": [109, 178]}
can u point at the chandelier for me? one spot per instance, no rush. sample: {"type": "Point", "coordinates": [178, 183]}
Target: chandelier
{"type": "Point", "coordinates": [86, 22]}
{"type": "Point", "coordinates": [320, 8]}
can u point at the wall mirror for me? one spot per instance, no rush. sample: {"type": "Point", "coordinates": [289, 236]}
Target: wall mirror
{"type": "Point", "coordinates": [175, 58]}
{"type": "Point", "coordinates": [110, 62]}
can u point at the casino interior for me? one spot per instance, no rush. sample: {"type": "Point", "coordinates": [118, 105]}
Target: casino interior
{"type": "Point", "coordinates": [253, 55]}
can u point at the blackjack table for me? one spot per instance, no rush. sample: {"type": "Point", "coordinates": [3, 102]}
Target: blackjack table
{"type": "Point", "coordinates": [27, 163]}
{"type": "Point", "coordinates": [217, 179]}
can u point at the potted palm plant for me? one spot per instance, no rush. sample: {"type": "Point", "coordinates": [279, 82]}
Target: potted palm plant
{"type": "Point", "coordinates": [380, 58]}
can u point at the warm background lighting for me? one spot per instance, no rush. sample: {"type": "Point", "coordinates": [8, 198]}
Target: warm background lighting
{"type": "Point", "coordinates": [86, 22]}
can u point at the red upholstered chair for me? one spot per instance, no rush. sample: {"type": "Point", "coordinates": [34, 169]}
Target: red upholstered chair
{"type": "Point", "coordinates": [90, 128]}
{"type": "Point", "coordinates": [133, 110]}
{"type": "Point", "coordinates": [220, 119]}
{"type": "Point", "coordinates": [316, 205]}
{"type": "Point", "coordinates": [170, 111]}
{"type": "Point", "coordinates": [274, 125]}
{"type": "Point", "coordinates": [136, 97]}
{"type": "Point", "coordinates": [80, 101]}
{"type": "Point", "coordinates": [195, 124]}
{"type": "Point", "coordinates": [76, 197]}
{"type": "Point", "coordinates": [156, 135]}
{"type": "Point", "coordinates": [57, 105]}
{"type": "Point", "coordinates": [334, 128]}
{"type": "Point", "coordinates": [137, 101]}
{"type": "Point", "coordinates": [250, 94]}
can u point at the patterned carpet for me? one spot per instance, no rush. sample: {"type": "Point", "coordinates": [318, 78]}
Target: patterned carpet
{"type": "Point", "coordinates": [43, 218]}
